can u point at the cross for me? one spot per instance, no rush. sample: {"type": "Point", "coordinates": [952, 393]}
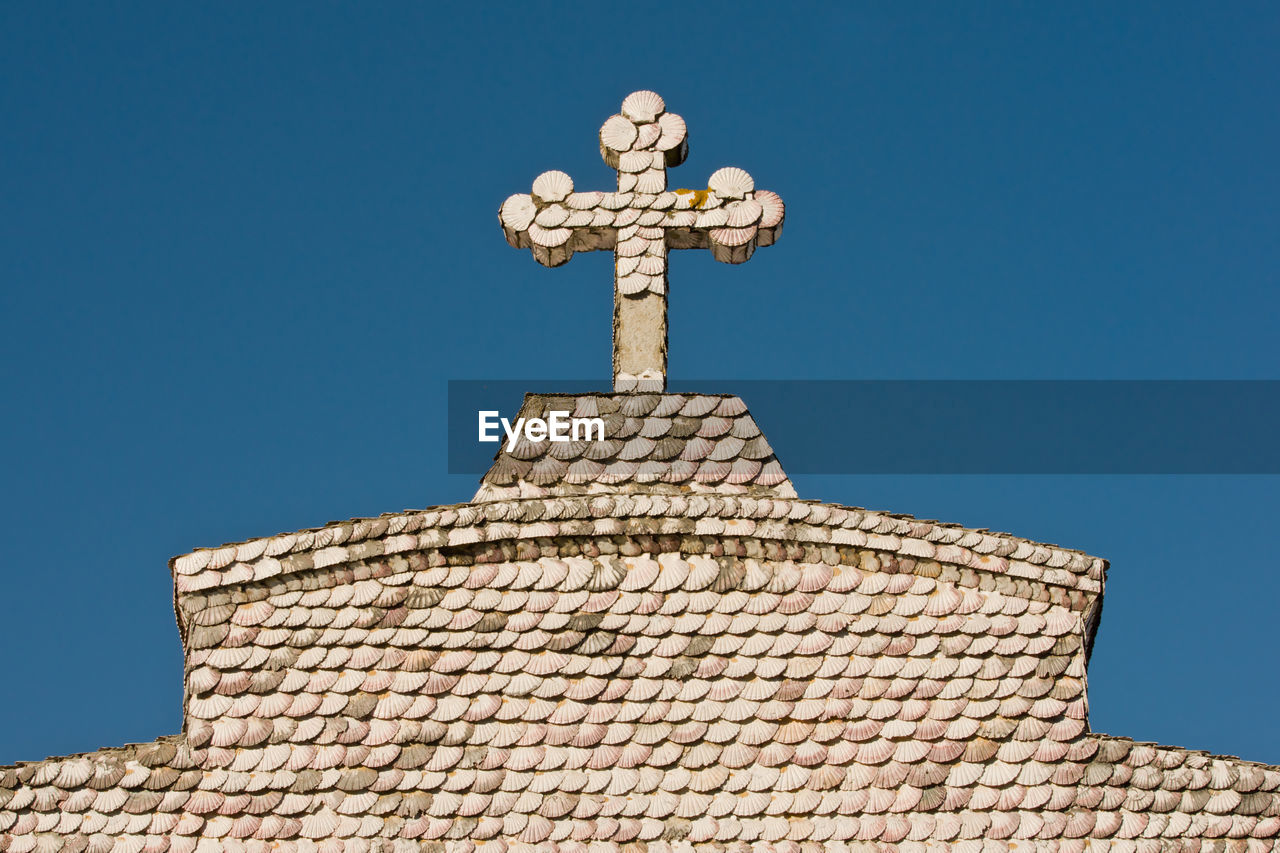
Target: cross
{"type": "Point", "coordinates": [640, 222]}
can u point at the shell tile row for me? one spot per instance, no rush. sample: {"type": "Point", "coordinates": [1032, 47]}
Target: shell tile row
{"type": "Point", "coordinates": [774, 524]}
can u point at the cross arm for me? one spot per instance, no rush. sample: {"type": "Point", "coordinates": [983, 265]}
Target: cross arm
{"type": "Point", "coordinates": [730, 217]}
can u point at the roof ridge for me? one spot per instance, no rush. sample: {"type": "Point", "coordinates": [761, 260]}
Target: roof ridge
{"type": "Point", "coordinates": [480, 507]}
{"type": "Point", "coordinates": [125, 750]}
{"type": "Point", "coordinates": [1220, 756]}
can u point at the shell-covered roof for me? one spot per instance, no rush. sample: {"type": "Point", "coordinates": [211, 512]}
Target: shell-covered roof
{"type": "Point", "coordinates": [653, 443]}
{"type": "Point", "coordinates": [626, 692]}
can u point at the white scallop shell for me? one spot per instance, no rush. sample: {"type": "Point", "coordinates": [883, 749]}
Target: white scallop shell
{"type": "Point", "coordinates": [740, 214]}
{"type": "Point", "coordinates": [715, 218]}
{"type": "Point", "coordinates": [650, 264]}
{"type": "Point", "coordinates": [652, 181]}
{"type": "Point", "coordinates": [618, 133]}
{"type": "Point", "coordinates": [555, 215]}
{"type": "Point", "coordinates": [632, 247]}
{"type": "Point", "coordinates": [643, 106]}
{"type": "Point", "coordinates": [647, 135]}
{"type": "Point", "coordinates": [630, 285]}
{"type": "Point", "coordinates": [517, 212]}
{"type": "Point", "coordinates": [674, 131]}
{"type": "Point", "coordinates": [584, 201]}
{"type": "Point", "coordinates": [626, 182]}
{"type": "Point", "coordinates": [635, 161]}
{"type": "Point", "coordinates": [549, 237]}
{"type": "Point", "coordinates": [554, 186]}
{"type": "Point", "coordinates": [731, 182]}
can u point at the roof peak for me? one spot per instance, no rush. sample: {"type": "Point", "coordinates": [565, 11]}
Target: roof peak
{"type": "Point", "coordinates": [654, 443]}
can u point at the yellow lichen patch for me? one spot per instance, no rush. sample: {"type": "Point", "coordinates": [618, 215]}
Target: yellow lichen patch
{"type": "Point", "coordinates": [699, 197]}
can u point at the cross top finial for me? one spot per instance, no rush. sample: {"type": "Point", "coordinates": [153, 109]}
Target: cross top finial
{"type": "Point", "coordinates": [640, 222]}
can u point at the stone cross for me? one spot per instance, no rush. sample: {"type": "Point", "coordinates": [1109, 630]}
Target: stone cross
{"type": "Point", "coordinates": [640, 222]}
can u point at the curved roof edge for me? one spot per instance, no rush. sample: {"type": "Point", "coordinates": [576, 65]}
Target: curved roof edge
{"type": "Point", "coordinates": [613, 514]}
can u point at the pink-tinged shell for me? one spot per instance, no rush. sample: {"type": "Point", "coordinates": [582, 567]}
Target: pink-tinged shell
{"type": "Point", "coordinates": [648, 135]}
{"type": "Point", "coordinates": [321, 824]}
{"type": "Point", "coordinates": [618, 133]}
{"type": "Point", "coordinates": [674, 132]}
{"type": "Point", "coordinates": [773, 209]}
{"type": "Point", "coordinates": [731, 245]}
{"type": "Point", "coordinates": [552, 186]}
{"type": "Point", "coordinates": [1059, 621]}
{"type": "Point", "coordinates": [584, 201]}
{"type": "Point", "coordinates": [643, 106]}
{"type": "Point", "coordinates": [731, 183]}
{"type": "Point", "coordinates": [651, 181]}
{"type": "Point", "coordinates": [252, 614]}
{"type": "Point", "coordinates": [650, 264]}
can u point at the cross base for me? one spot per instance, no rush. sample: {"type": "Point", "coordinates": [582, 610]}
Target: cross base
{"type": "Point", "coordinates": [640, 342]}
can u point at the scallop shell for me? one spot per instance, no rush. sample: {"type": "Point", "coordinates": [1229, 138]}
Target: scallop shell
{"type": "Point", "coordinates": [635, 161]}
{"type": "Point", "coordinates": [731, 182]}
{"type": "Point", "coordinates": [627, 264]}
{"type": "Point", "coordinates": [674, 132]}
{"type": "Point", "coordinates": [549, 237]}
{"type": "Point", "coordinates": [517, 212]}
{"type": "Point", "coordinates": [647, 135]}
{"type": "Point", "coordinates": [714, 218]}
{"type": "Point", "coordinates": [774, 209]}
{"type": "Point", "coordinates": [651, 181]}
{"type": "Point", "coordinates": [552, 186]}
{"type": "Point", "coordinates": [740, 214]}
{"type": "Point", "coordinates": [584, 201]}
{"type": "Point", "coordinates": [633, 247]}
{"type": "Point", "coordinates": [618, 133]}
{"type": "Point", "coordinates": [732, 245]}
{"type": "Point", "coordinates": [643, 106]}
{"type": "Point", "coordinates": [320, 824]}
{"type": "Point", "coordinates": [651, 264]}
{"type": "Point", "coordinates": [553, 216]}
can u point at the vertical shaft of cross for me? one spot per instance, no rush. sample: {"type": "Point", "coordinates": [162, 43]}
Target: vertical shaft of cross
{"type": "Point", "coordinates": [640, 317]}
{"type": "Point", "coordinates": [641, 142]}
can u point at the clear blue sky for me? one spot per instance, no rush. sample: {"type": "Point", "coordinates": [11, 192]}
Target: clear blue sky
{"type": "Point", "coordinates": [243, 247]}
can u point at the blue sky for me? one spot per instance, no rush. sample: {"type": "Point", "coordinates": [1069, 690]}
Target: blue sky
{"type": "Point", "coordinates": [243, 248]}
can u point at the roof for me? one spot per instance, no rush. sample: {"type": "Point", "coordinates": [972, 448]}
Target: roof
{"type": "Point", "coordinates": [655, 443]}
{"type": "Point", "coordinates": [154, 797]}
